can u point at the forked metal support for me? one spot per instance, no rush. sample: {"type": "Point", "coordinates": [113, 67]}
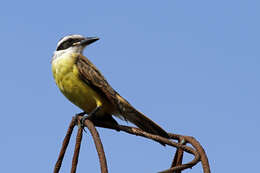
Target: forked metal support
{"type": "Point", "coordinates": [176, 167]}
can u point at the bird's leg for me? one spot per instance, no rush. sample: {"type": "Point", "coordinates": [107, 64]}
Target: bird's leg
{"type": "Point", "coordinates": [79, 115]}
{"type": "Point", "coordinates": [91, 114]}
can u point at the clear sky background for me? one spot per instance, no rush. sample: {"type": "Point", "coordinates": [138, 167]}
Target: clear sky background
{"type": "Point", "coordinates": [191, 66]}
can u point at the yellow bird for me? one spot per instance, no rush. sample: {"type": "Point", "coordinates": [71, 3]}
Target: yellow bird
{"type": "Point", "coordinates": [83, 84]}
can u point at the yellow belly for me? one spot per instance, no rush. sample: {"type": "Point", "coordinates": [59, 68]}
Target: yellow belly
{"type": "Point", "coordinates": [66, 75]}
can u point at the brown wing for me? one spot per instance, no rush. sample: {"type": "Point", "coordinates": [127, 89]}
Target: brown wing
{"type": "Point", "coordinates": [91, 76]}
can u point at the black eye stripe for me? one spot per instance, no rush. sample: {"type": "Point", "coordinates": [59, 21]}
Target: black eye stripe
{"type": "Point", "coordinates": [68, 43]}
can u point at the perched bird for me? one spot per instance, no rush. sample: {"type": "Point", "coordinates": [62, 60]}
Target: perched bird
{"type": "Point", "coordinates": [83, 84]}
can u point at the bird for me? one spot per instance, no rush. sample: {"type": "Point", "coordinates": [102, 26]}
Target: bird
{"type": "Point", "coordinates": [84, 85]}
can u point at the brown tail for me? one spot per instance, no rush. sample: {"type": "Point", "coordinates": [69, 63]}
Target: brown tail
{"type": "Point", "coordinates": [140, 120]}
{"type": "Point", "coordinates": [146, 124]}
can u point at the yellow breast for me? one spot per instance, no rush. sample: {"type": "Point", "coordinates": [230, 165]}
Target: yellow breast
{"type": "Point", "coordinates": [66, 75]}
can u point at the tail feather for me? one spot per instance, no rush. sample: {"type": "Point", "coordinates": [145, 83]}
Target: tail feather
{"type": "Point", "coordinates": [145, 123]}
{"type": "Point", "coordinates": [129, 113]}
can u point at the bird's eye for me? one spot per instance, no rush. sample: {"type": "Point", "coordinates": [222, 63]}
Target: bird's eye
{"type": "Point", "coordinates": [65, 45]}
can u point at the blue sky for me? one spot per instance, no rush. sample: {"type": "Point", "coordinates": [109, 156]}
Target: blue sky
{"type": "Point", "coordinates": [191, 66]}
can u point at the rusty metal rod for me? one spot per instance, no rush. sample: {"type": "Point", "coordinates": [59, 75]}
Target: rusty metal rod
{"type": "Point", "coordinates": [98, 144]}
{"type": "Point", "coordinates": [64, 146]}
{"type": "Point", "coordinates": [76, 151]}
{"type": "Point", "coordinates": [139, 132]}
{"type": "Point", "coordinates": [201, 151]}
{"type": "Point", "coordinates": [196, 149]}
{"type": "Point", "coordinates": [178, 157]}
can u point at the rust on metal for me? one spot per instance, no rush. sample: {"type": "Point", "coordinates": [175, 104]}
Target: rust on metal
{"type": "Point", "coordinates": [64, 146]}
{"type": "Point", "coordinates": [178, 157]}
{"type": "Point", "coordinates": [99, 146]}
{"type": "Point", "coordinates": [76, 151]}
{"type": "Point", "coordinates": [177, 166]}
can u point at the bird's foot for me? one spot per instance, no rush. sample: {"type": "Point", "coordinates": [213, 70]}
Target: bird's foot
{"type": "Point", "coordinates": [89, 116]}
{"type": "Point", "coordinates": [82, 120]}
{"type": "Point", "coordinates": [79, 115]}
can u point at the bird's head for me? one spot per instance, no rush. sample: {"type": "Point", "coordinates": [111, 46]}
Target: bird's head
{"type": "Point", "coordinates": [74, 43]}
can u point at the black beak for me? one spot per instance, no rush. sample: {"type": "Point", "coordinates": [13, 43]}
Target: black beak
{"type": "Point", "coordinates": [88, 41]}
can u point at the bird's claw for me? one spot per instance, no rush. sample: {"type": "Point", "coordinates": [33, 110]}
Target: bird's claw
{"type": "Point", "coordinates": [82, 120]}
